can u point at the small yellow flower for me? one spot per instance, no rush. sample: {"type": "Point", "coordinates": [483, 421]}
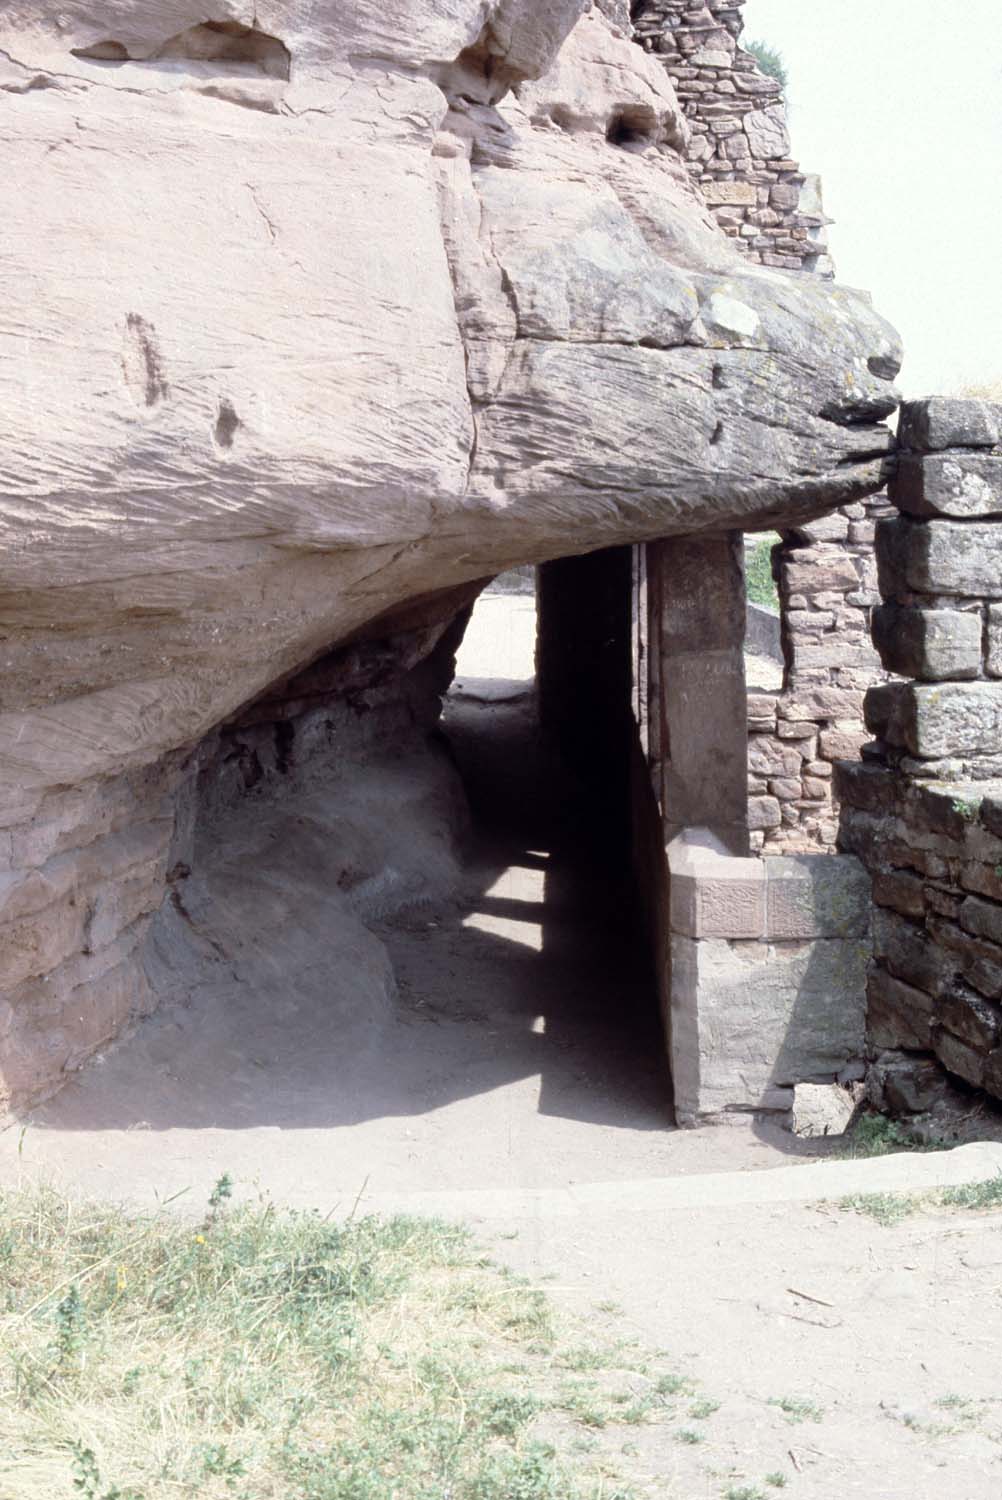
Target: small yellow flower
{"type": "Point", "coordinates": [121, 1280]}
{"type": "Point", "coordinates": [200, 1239]}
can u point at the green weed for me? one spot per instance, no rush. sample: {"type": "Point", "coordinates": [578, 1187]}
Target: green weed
{"type": "Point", "coordinates": [797, 1409]}
{"type": "Point", "coordinates": [973, 1195]}
{"type": "Point", "coordinates": [886, 1208]}
{"type": "Point", "coordinates": [876, 1135]}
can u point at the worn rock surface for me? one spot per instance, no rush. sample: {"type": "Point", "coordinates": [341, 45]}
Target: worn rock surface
{"type": "Point", "coordinates": [314, 311]}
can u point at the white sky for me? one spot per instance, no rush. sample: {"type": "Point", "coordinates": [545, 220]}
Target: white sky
{"type": "Point", "coordinates": [898, 104]}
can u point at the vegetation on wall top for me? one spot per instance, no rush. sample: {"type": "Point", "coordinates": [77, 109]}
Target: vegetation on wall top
{"type": "Point", "coordinates": [769, 60]}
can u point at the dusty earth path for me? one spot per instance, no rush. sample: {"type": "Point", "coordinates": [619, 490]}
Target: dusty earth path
{"type": "Point", "coordinates": [520, 1086]}
{"type": "Point", "coordinates": [820, 1352]}
{"type": "Point", "coordinates": [522, 1049]}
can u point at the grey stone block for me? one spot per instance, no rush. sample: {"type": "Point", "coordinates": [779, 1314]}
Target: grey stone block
{"type": "Point", "coordinates": [959, 1058]}
{"type": "Point", "coordinates": [993, 659]}
{"type": "Point", "coordinates": [750, 1019]}
{"type": "Point", "coordinates": [939, 557]}
{"type": "Point", "coordinates": [816, 895]}
{"type": "Point", "coordinates": [962, 485]}
{"type": "Point", "coordinates": [982, 918]}
{"type": "Point", "coordinates": [933, 721]}
{"type": "Point", "coordinates": [931, 644]}
{"type": "Point", "coordinates": [908, 1085]}
{"type": "Point", "coordinates": [824, 1109]}
{"type": "Point", "coordinates": [764, 813]}
{"type": "Point", "coordinates": [944, 422]}
{"type": "Point", "coordinates": [909, 954]}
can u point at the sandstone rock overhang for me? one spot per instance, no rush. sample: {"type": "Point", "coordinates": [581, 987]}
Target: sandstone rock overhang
{"type": "Point", "coordinates": [281, 353]}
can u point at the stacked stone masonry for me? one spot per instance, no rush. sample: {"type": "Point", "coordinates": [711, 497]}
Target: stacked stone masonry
{"type": "Point", "coordinates": [740, 148]}
{"type": "Point", "coordinates": [825, 572]}
{"type": "Point", "coordinates": [924, 808]}
{"type": "Point", "coordinates": [826, 575]}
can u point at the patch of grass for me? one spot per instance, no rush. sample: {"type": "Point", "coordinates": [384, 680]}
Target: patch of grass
{"type": "Point", "coordinates": [877, 1135]}
{"type": "Point", "coordinates": [689, 1435]}
{"type": "Point", "coordinates": [743, 1492]}
{"type": "Point", "coordinates": [797, 1408]}
{"type": "Point", "coordinates": [703, 1408]}
{"type": "Point", "coordinates": [889, 1209]}
{"type": "Point", "coordinates": [586, 1357]}
{"type": "Point", "coordinates": [674, 1385]}
{"type": "Point", "coordinates": [973, 1195]}
{"type": "Point", "coordinates": [777, 1480]}
{"type": "Point", "coordinates": [585, 1403]}
{"type": "Point", "coordinates": [265, 1354]}
{"type": "Point", "coordinates": [886, 1208]}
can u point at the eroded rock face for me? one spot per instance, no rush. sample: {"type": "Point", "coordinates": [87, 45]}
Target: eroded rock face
{"type": "Point", "coordinates": [312, 310]}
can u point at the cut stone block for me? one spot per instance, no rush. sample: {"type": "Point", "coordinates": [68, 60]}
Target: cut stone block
{"type": "Point", "coordinates": [932, 721]}
{"type": "Point", "coordinates": [993, 660]}
{"type": "Point", "coordinates": [959, 1058]}
{"type": "Point", "coordinates": [939, 557]}
{"type": "Point", "coordinates": [843, 742]}
{"type": "Point", "coordinates": [944, 422]}
{"type": "Point", "coordinates": [982, 918]}
{"type": "Point", "coordinates": [901, 891]}
{"type": "Point", "coordinates": [963, 485]}
{"type": "Point", "coordinates": [764, 812]}
{"type": "Point", "coordinates": [910, 954]}
{"type": "Point", "coordinates": [714, 894]}
{"type": "Point", "coordinates": [930, 644]}
{"type": "Point", "coordinates": [816, 895]}
{"type": "Point", "coordinates": [751, 1019]}
{"type": "Point", "coordinates": [738, 193]}
{"type": "Point", "coordinates": [822, 703]}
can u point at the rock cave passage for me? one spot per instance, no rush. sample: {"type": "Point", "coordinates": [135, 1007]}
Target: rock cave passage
{"type": "Point", "coordinates": [453, 980]}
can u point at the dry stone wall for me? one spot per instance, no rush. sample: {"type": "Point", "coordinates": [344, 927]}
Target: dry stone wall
{"type": "Point", "coordinates": [740, 147]}
{"type": "Point", "coordinates": [924, 809]}
{"type": "Point", "coordinates": [826, 575]}
{"type": "Point", "coordinates": [825, 571]}
{"type": "Point", "coordinates": [90, 875]}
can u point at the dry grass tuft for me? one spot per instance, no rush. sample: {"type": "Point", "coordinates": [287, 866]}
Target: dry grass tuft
{"type": "Point", "coordinates": [271, 1356]}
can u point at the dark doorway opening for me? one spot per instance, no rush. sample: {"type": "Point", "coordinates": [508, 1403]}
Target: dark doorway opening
{"type": "Point", "coordinates": [546, 764]}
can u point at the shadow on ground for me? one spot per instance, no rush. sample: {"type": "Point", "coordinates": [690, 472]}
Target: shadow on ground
{"type": "Point", "coordinates": [533, 980]}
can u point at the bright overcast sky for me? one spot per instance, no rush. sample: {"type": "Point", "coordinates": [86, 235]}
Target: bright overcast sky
{"type": "Point", "coordinates": [898, 104]}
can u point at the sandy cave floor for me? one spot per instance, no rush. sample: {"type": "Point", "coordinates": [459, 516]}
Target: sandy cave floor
{"type": "Point", "coordinates": [522, 1089]}
{"type": "Point", "coordinates": [524, 1049]}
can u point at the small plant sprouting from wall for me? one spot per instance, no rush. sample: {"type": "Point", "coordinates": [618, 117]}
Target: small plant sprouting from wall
{"type": "Point", "coordinates": [769, 60]}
